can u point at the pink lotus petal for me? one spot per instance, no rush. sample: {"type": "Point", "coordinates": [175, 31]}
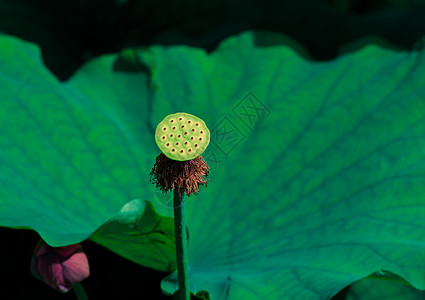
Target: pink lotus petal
{"type": "Point", "coordinates": [60, 267]}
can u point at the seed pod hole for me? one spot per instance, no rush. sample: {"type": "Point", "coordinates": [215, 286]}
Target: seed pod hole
{"type": "Point", "coordinates": [200, 139]}
{"type": "Point", "coordinates": [196, 124]}
{"type": "Point", "coordinates": [173, 128]}
{"type": "Point", "coordinates": [182, 126]}
{"type": "Point", "coordinates": [192, 138]}
{"type": "Point", "coordinates": [179, 136]}
{"type": "Point", "coordinates": [185, 143]}
{"type": "Point", "coordinates": [164, 129]}
{"type": "Point", "coordinates": [167, 144]}
{"type": "Point", "coordinates": [193, 129]}
{"type": "Point", "coordinates": [173, 150]}
{"type": "Point", "coordinates": [163, 137]}
{"type": "Point", "coordinates": [171, 121]}
{"type": "Point", "coordinates": [185, 133]}
{"type": "Point", "coordinates": [189, 150]}
{"type": "Point", "coordinates": [196, 145]}
{"type": "Point", "coordinates": [180, 119]}
{"type": "Point", "coordinates": [181, 151]}
{"type": "Point", "coordinates": [171, 135]}
{"type": "Point", "coordinates": [201, 132]}
{"type": "Point", "coordinates": [189, 121]}
{"type": "Point", "coordinates": [177, 144]}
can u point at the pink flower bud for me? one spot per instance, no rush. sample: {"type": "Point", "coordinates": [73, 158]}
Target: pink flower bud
{"type": "Point", "coordinates": [60, 267]}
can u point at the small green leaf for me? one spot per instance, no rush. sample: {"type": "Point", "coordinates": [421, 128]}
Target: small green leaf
{"type": "Point", "coordinates": [381, 288]}
{"type": "Point", "coordinates": [139, 234]}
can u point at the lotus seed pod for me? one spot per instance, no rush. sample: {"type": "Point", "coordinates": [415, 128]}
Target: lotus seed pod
{"type": "Point", "coordinates": [182, 136]}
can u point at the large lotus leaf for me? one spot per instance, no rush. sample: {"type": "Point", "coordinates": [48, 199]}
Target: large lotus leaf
{"type": "Point", "coordinates": [72, 154]}
{"type": "Point", "coordinates": [318, 168]}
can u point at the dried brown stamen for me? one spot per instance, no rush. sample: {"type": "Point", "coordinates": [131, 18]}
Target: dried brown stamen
{"type": "Point", "coordinates": [185, 176]}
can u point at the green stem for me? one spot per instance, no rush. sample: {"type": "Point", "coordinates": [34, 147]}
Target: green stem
{"type": "Point", "coordinates": [181, 245]}
{"type": "Point", "coordinates": [80, 292]}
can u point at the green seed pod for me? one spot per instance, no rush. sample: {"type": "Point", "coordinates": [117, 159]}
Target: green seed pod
{"type": "Point", "coordinates": [182, 136]}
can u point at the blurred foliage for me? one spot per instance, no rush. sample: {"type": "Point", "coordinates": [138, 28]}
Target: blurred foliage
{"type": "Point", "coordinates": [365, 6]}
{"type": "Point", "coordinates": [71, 32]}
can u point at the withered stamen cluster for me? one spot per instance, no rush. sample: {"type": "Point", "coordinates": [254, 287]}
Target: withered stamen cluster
{"type": "Point", "coordinates": [185, 176]}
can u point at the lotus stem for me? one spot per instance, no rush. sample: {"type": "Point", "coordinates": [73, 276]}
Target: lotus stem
{"type": "Point", "coordinates": [80, 292]}
{"type": "Point", "coordinates": [181, 245]}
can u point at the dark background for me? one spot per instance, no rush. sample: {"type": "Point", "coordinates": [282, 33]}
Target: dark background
{"type": "Point", "coordinates": [111, 276]}
{"type": "Point", "coordinates": [71, 32]}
